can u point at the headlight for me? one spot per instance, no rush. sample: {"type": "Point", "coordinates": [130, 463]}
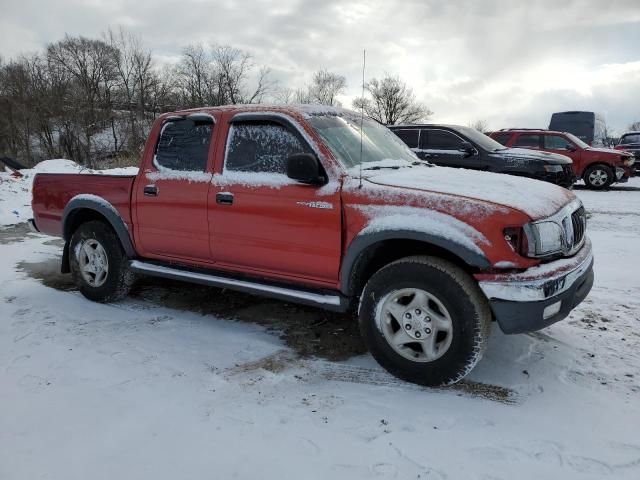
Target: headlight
{"type": "Point", "coordinates": [629, 161]}
{"type": "Point", "coordinates": [553, 168]}
{"type": "Point", "coordinates": [544, 238]}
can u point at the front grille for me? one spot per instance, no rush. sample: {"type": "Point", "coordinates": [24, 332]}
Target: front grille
{"type": "Point", "coordinates": [579, 225]}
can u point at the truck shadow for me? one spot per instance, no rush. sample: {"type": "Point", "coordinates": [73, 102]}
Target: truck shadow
{"type": "Point", "coordinates": [310, 332]}
{"type": "Point", "coordinates": [317, 339]}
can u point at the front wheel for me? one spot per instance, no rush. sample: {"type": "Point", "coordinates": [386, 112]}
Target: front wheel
{"type": "Point", "coordinates": [598, 177]}
{"type": "Point", "coordinates": [425, 320]}
{"type": "Point", "coordinates": [98, 263]}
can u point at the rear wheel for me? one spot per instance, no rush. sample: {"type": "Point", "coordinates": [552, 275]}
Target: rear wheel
{"type": "Point", "coordinates": [598, 177]}
{"type": "Point", "coordinates": [98, 263]}
{"type": "Point", "coordinates": [425, 320]}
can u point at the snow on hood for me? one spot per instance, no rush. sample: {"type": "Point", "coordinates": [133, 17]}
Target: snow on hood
{"type": "Point", "coordinates": [535, 198]}
{"type": "Point", "coordinates": [533, 155]}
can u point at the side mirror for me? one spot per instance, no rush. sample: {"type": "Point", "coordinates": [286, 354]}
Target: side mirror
{"type": "Point", "coordinates": [467, 149]}
{"type": "Point", "coordinates": [570, 148]}
{"type": "Point", "coordinates": [305, 168]}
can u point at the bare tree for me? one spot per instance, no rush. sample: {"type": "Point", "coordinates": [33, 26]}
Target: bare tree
{"type": "Point", "coordinates": [194, 75]}
{"type": "Point", "coordinates": [92, 65]}
{"type": "Point", "coordinates": [233, 66]}
{"type": "Point", "coordinates": [391, 101]}
{"type": "Point", "coordinates": [634, 127]}
{"type": "Point", "coordinates": [480, 125]}
{"type": "Point", "coordinates": [326, 86]}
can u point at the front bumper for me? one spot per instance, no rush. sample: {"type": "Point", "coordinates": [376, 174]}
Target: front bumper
{"type": "Point", "coordinates": [536, 298]}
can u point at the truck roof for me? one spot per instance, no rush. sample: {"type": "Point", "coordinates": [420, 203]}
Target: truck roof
{"type": "Point", "coordinates": [293, 109]}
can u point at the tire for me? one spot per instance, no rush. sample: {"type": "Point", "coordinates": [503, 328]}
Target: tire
{"type": "Point", "coordinates": [94, 281]}
{"type": "Point", "coordinates": [453, 300]}
{"type": "Point", "coordinates": [598, 177]}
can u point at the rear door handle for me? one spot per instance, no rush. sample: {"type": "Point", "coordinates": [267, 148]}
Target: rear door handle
{"type": "Point", "coordinates": [224, 198]}
{"type": "Point", "coordinates": [151, 191]}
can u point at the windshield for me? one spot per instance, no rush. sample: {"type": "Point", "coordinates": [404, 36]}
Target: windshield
{"type": "Point", "coordinates": [380, 147]}
{"type": "Point", "coordinates": [480, 139]}
{"type": "Point", "coordinates": [576, 140]}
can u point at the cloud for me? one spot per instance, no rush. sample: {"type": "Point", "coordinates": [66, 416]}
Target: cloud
{"type": "Point", "coordinates": [498, 60]}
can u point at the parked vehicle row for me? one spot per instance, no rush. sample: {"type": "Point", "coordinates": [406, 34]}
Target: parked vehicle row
{"type": "Point", "coordinates": [598, 167]}
{"type": "Point", "coordinates": [464, 147]}
{"type": "Point", "coordinates": [317, 206]}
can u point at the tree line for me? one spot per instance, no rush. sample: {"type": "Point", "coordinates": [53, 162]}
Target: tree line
{"type": "Point", "coordinates": [93, 100]}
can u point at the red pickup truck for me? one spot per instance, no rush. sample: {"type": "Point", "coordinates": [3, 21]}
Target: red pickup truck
{"type": "Point", "coordinates": [301, 204]}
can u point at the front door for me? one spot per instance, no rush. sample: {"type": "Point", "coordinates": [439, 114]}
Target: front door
{"type": "Point", "coordinates": [559, 144]}
{"type": "Point", "coordinates": [443, 147]}
{"type": "Point", "coordinates": [171, 196]}
{"type": "Point", "coordinates": [265, 223]}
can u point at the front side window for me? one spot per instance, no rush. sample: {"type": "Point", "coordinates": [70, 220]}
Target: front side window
{"type": "Point", "coordinates": [184, 145]}
{"type": "Point", "coordinates": [441, 139]}
{"type": "Point", "coordinates": [528, 141]}
{"type": "Point", "coordinates": [261, 147]}
{"type": "Point", "coordinates": [409, 136]}
{"type": "Point", "coordinates": [554, 142]}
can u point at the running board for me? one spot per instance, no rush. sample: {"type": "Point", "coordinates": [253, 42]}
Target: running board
{"type": "Point", "coordinates": [326, 301]}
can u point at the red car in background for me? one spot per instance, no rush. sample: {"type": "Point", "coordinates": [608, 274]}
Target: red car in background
{"type": "Point", "coordinates": [598, 167]}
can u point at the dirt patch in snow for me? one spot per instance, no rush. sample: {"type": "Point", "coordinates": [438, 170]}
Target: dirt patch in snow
{"type": "Point", "coordinates": [308, 331]}
{"type": "Point", "coordinates": [15, 233]}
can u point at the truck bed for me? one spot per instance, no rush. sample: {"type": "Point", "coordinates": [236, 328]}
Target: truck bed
{"type": "Point", "coordinates": [52, 191]}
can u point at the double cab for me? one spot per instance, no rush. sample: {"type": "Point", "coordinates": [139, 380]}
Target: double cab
{"type": "Point", "coordinates": [319, 206]}
{"type": "Point", "coordinates": [599, 168]}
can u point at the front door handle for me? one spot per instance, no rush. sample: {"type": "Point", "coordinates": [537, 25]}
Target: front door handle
{"type": "Point", "coordinates": [224, 198]}
{"type": "Point", "coordinates": [150, 191]}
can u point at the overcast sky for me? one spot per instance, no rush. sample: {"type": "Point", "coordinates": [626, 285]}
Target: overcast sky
{"type": "Point", "coordinates": [511, 63]}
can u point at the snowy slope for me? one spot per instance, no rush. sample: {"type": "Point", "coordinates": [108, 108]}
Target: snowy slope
{"type": "Point", "coordinates": [185, 382]}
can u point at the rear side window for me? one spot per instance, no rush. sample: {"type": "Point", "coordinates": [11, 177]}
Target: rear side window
{"type": "Point", "coordinates": [555, 142]}
{"type": "Point", "coordinates": [184, 145]}
{"type": "Point", "coordinates": [441, 139]}
{"type": "Point", "coordinates": [261, 147]}
{"type": "Point", "coordinates": [527, 141]}
{"type": "Point", "coordinates": [408, 136]}
{"type": "Point", "coordinates": [502, 138]}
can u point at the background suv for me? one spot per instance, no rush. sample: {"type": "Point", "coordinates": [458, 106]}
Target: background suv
{"type": "Point", "coordinates": [630, 142]}
{"type": "Point", "coordinates": [598, 167]}
{"type": "Point", "coordinates": [465, 147]}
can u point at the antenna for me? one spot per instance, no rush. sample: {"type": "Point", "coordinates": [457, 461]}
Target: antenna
{"type": "Point", "coordinates": [364, 62]}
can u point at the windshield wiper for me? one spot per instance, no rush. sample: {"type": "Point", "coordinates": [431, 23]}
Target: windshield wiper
{"type": "Point", "coordinates": [392, 167]}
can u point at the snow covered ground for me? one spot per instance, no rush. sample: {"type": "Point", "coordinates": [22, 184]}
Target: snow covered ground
{"type": "Point", "coordinates": [186, 382]}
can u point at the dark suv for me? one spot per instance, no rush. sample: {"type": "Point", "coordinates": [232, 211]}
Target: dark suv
{"type": "Point", "coordinates": [465, 147]}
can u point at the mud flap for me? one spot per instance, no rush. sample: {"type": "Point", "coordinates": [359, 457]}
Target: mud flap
{"type": "Point", "coordinates": [65, 267]}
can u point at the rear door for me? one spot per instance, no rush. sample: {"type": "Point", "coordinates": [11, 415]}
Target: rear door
{"type": "Point", "coordinates": [443, 147]}
{"type": "Point", "coordinates": [266, 223]}
{"type": "Point", "coordinates": [171, 194]}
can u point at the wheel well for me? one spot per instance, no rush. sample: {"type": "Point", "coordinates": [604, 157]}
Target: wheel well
{"type": "Point", "coordinates": [80, 216]}
{"type": "Point", "coordinates": [384, 252]}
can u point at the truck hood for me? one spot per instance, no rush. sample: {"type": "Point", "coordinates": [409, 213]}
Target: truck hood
{"type": "Point", "coordinates": [526, 154]}
{"type": "Point", "coordinates": [532, 197]}
{"type": "Point", "coordinates": [609, 151]}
